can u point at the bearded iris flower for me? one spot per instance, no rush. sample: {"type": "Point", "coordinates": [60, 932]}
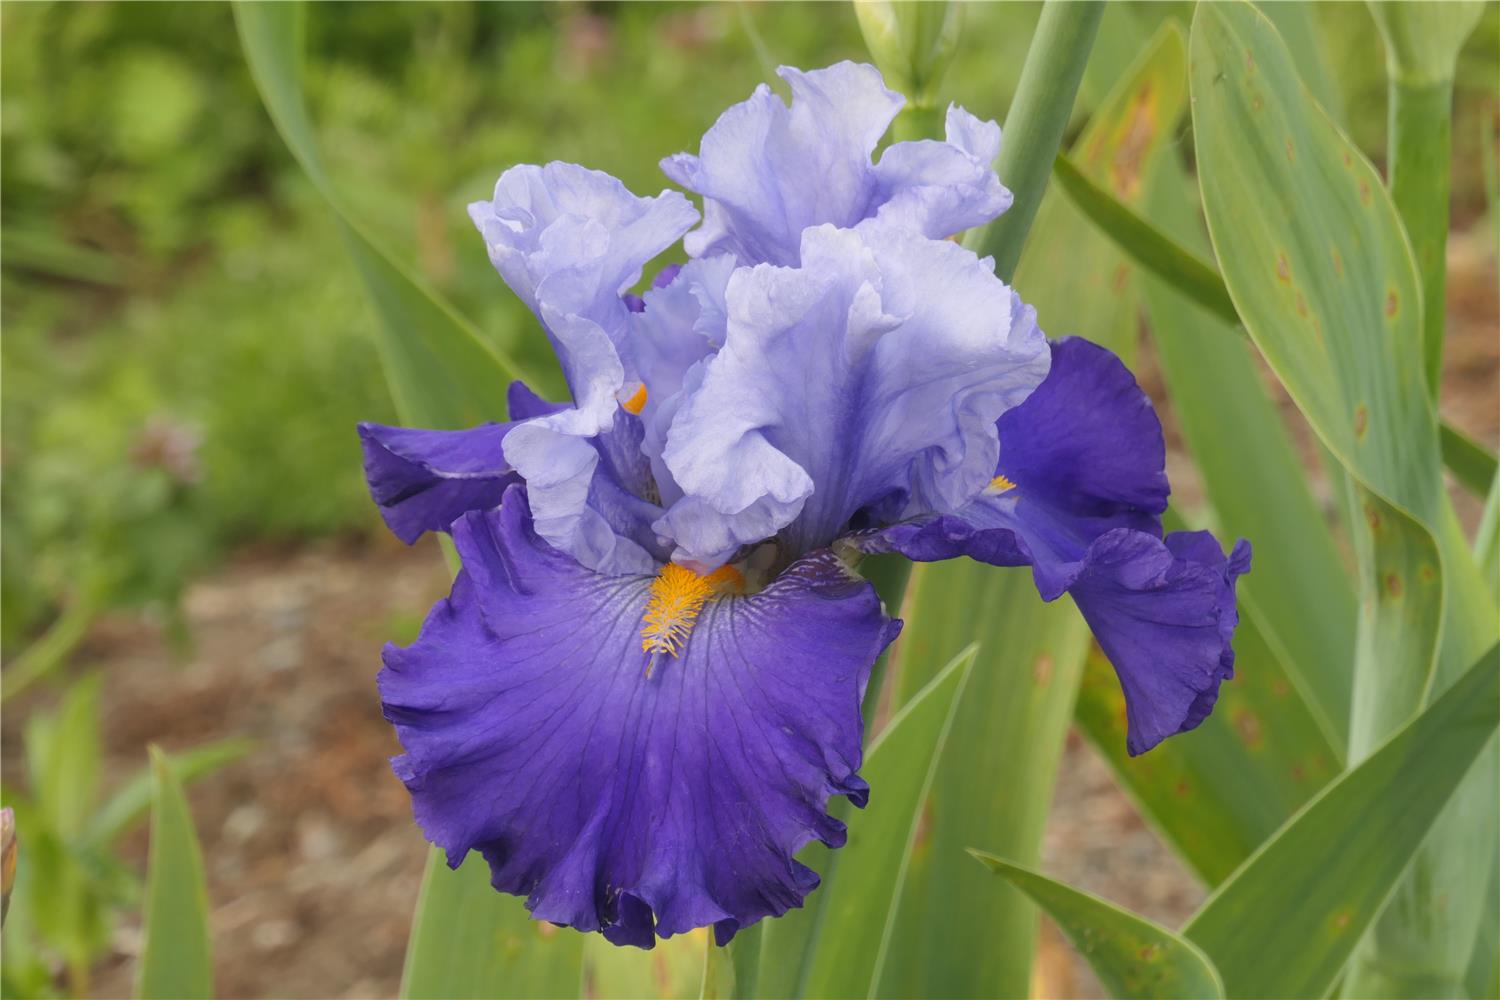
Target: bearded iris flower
{"type": "Point", "coordinates": [645, 686]}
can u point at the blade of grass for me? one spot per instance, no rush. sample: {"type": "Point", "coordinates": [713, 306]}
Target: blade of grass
{"type": "Point", "coordinates": [176, 960]}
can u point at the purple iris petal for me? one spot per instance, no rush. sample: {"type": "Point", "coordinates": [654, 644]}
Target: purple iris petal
{"type": "Point", "coordinates": [591, 496]}
{"type": "Point", "coordinates": [876, 369]}
{"type": "Point", "coordinates": [1080, 502]}
{"type": "Point", "coordinates": [425, 480]}
{"type": "Point", "coordinates": [614, 801]}
{"type": "Point", "coordinates": [1164, 613]}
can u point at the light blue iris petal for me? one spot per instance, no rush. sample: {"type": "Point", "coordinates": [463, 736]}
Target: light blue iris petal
{"type": "Point", "coordinates": [767, 172]}
{"type": "Point", "coordinates": [872, 375]}
{"type": "Point", "coordinates": [569, 241]}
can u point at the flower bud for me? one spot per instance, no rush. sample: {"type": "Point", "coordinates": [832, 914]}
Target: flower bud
{"type": "Point", "coordinates": [912, 43]}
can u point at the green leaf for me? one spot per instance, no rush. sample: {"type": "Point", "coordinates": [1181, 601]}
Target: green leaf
{"type": "Point", "coordinates": [1297, 23]}
{"type": "Point", "coordinates": [128, 805]}
{"type": "Point", "coordinates": [1314, 258]}
{"type": "Point", "coordinates": [744, 954]}
{"type": "Point", "coordinates": [1318, 265]}
{"type": "Point", "coordinates": [718, 973]}
{"type": "Point", "coordinates": [1471, 463]}
{"type": "Point", "coordinates": [863, 881]}
{"type": "Point", "coordinates": [1185, 271]}
{"type": "Point", "coordinates": [1218, 792]}
{"type": "Point", "coordinates": [441, 371]}
{"type": "Point", "coordinates": [1279, 730]}
{"type": "Point", "coordinates": [1195, 278]}
{"type": "Point", "coordinates": [1285, 924]}
{"type": "Point", "coordinates": [1132, 956]}
{"type": "Point", "coordinates": [63, 753]}
{"type": "Point", "coordinates": [176, 960]}
{"type": "Point", "coordinates": [673, 970]}
{"type": "Point", "coordinates": [995, 779]}
{"type": "Point", "coordinates": [467, 940]}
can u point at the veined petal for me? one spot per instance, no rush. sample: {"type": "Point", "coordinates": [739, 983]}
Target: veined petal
{"type": "Point", "coordinates": [679, 325]}
{"type": "Point", "coordinates": [1077, 497]}
{"type": "Point", "coordinates": [1164, 613]}
{"type": "Point", "coordinates": [1084, 454]}
{"type": "Point", "coordinates": [874, 371]}
{"type": "Point", "coordinates": [767, 172]}
{"type": "Point", "coordinates": [613, 801]}
{"type": "Point", "coordinates": [570, 241]}
{"type": "Point", "coordinates": [942, 188]}
{"type": "Point", "coordinates": [588, 495]}
{"type": "Point", "coordinates": [425, 480]}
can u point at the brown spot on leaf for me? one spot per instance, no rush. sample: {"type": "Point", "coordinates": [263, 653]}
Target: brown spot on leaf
{"type": "Point", "coordinates": [1249, 63]}
{"type": "Point", "coordinates": [1361, 420]}
{"type": "Point", "coordinates": [1280, 688]}
{"type": "Point", "coordinates": [1248, 726]}
{"type": "Point", "coordinates": [1121, 277]}
{"type": "Point", "coordinates": [1426, 573]}
{"type": "Point", "coordinates": [1135, 140]}
{"type": "Point", "coordinates": [1392, 304]}
{"type": "Point", "coordinates": [1348, 158]}
{"type": "Point", "coordinates": [1393, 584]}
{"type": "Point", "coordinates": [1364, 191]}
{"type": "Point", "coordinates": [1341, 922]}
{"type": "Point", "coordinates": [1041, 670]}
{"type": "Point", "coordinates": [1338, 262]}
{"type": "Point", "coordinates": [1291, 154]}
{"type": "Point", "coordinates": [1298, 773]}
{"type": "Point", "coordinates": [1301, 306]}
{"type": "Point", "coordinates": [1182, 787]}
{"type": "Point", "coordinates": [1283, 267]}
{"type": "Point", "coordinates": [1373, 516]}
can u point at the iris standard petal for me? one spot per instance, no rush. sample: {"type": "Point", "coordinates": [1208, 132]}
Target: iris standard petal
{"type": "Point", "coordinates": [570, 242]}
{"type": "Point", "coordinates": [590, 496]}
{"type": "Point", "coordinates": [615, 801]}
{"type": "Point", "coordinates": [942, 188]}
{"type": "Point", "coordinates": [767, 172]}
{"type": "Point", "coordinates": [679, 325]}
{"type": "Point", "coordinates": [875, 370]}
{"type": "Point", "coordinates": [1164, 613]}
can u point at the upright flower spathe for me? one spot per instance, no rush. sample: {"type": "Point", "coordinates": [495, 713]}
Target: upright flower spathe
{"type": "Point", "coordinates": [646, 683]}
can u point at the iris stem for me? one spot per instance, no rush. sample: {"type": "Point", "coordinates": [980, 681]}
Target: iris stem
{"type": "Point", "coordinates": [1034, 125]}
{"type": "Point", "coordinates": [1421, 127]}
